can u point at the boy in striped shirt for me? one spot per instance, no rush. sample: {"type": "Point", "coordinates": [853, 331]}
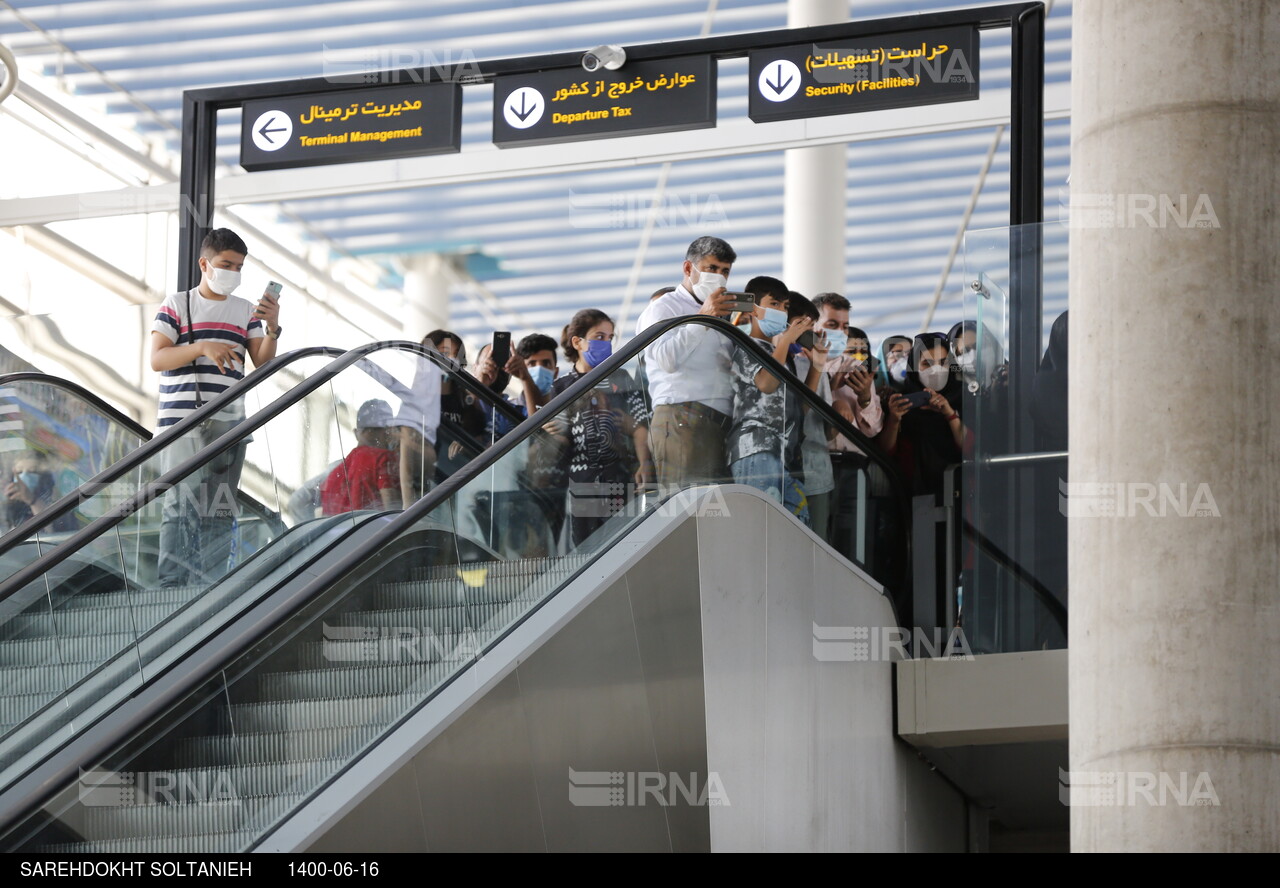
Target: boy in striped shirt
{"type": "Point", "coordinates": [199, 342]}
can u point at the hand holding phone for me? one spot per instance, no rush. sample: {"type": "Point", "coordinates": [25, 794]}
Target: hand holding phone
{"type": "Point", "coordinates": [501, 352]}
{"type": "Point", "coordinates": [264, 303]}
{"type": "Point", "coordinates": [918, 399]}
{"type": "Point", "coordinates": [744, 302]}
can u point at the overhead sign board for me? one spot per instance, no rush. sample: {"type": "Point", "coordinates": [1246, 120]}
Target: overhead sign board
{"type": "Point", "coordinates": [570, 105]}
{"type": "Point", "coordinates": [864, 74]}
{"type": "Point", "coordinates": [378, 123]}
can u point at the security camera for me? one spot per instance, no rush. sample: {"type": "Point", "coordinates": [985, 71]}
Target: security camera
{"type": "Point", "coordinates": [610, 56]}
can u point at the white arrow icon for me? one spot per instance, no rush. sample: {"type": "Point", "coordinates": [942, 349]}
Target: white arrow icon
{"type": "Point", "coordinates": [271, 131]}
{"type": "Point", "coordinates": [523, 108]}
{"type": "Point", "coordinates": [779, 80]}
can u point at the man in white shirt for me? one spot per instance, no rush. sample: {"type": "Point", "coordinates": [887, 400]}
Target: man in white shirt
{"type": "Point", "coordinates": [689, 372]}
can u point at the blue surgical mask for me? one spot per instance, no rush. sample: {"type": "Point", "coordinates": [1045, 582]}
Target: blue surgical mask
{"type": "Point", "coordinates": [542, 377]}
{"type": "Point", "coordinates": [30, 479]}
{"type": "Point", "coordinates": [597, 351]}
{"type": "Point", "coordinates": [773, 322]}
{"type": "Point", "coordinates": [836, 341]}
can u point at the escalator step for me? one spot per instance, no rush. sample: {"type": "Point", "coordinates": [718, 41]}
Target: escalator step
{"type": "Point", "coordinates": [207, 810]}
{"type": "Point", "coordinates": [131, 598]}
{"type": "Point", "coordinates": [289, 715]}
{"type": "Point", "coordinates": [17, 707]}
{"type": "Point", "coordinates": [224, 843]}
{"type": "Point", "coordinates": [217, 751]}
{"type": "Point", "coordinates": [72, 649]}
{"type": "Point", "coordinates": [369, 680]}
{"type": "Point", "coordinates": [91, 621]}
{"type": "Point", "coordinates": [49, 678]}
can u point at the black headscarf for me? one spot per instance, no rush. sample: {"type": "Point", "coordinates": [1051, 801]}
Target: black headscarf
{"type": "Point", "coordinates": [929, 433]}
{"type": "Point", "coordinates": [1049, 390]}
{"type": "Point", "coordinates": [990, 352]}
{"type": "Point", "coordinates": [884, 382]}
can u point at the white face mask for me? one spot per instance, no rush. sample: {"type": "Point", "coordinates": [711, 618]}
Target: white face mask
{"type": "Point", "coordinates": [968, 359]}
{"type": "Point", "coordinates": [707, 284]}
{"type": "Point", "coordinates": [935, 377]}
{"type": "Point", "coordinates": [898, 369]}
{"type": "Point", "coordinates": [222, 281]}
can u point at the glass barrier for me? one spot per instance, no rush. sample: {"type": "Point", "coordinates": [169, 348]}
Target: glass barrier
{"type": "Point", "coordinates": [1011, 528]}
{"type": "Point", "coordinates": [53, 438]}
{"type": "Point", "coordinates": [129, 595]}
{"type": "Point", "coordinates": [280, 719]}
{"type": "Point", "coordinates": [22, 544]}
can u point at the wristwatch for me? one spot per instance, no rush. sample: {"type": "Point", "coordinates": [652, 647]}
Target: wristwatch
{"type": "Point", "coordinates": [275, 334]}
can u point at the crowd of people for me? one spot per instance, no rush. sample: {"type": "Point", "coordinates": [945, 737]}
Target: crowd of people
{"type": "Point", "coordinates": [701, 407]}
{"type": "Point", "coordinates": [698, 407]}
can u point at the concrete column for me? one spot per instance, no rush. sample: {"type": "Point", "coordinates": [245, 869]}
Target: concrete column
{"type": "Point", "coordinates": [1175, 333]}
{"type": "Point", "coordinates": [813, 240]}
{"type": "Point", "coordinates": [426, 293]}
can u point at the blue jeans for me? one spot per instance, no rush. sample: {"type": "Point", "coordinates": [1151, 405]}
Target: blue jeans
{"type": "Point", "coordinates": [764, 471]}
{"type": "Point", "coordinates": [198, 519]}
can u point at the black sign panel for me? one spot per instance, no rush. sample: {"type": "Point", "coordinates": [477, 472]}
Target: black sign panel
{"type": "Point", "coordinates": [378, 123]}
{"type": "Point", "coordinates": [571, 105]}
{"type": "Point", "coordinates": [864, 74]}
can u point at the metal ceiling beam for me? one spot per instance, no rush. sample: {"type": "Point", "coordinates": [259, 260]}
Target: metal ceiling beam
{"type": "Point", "coordinates": [487, 164]}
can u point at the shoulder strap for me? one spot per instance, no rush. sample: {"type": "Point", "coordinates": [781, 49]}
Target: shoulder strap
{"type": "Point", "coordinates": [191, 333]}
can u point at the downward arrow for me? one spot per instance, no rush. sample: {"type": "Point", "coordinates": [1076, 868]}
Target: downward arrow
{"type": "Point", "coordinates": [778, 87]}
{"type": "Point", "coordinates": [263, 132]}
{"type": "Point", "coordinates": [524, 112]}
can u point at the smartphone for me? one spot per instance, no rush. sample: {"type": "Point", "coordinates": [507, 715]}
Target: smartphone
{"type": "Point", "coordinates": [741, 301]}
{"type": "Point", "coordinates": [805, 339]}
{"type": "Point", "coordinates": [274, 289]}
{"type": "Point", "coordinates": [917, 399]}
{"type": "Point", "coordinates": [501, 352]}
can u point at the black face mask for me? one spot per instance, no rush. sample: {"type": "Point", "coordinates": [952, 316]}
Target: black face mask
{"type": "Point", "coordinates": [499, 385]}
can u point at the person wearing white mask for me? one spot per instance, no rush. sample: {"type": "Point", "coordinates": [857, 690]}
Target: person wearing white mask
{"type": "Point", "coordinates": [929, 436]}
{"type": "Point", "coordinates": [199, 343]}
{"type": "Point", "coordinates": [688, 372]}
{"type": "Point", "coordinates": [895, 355]}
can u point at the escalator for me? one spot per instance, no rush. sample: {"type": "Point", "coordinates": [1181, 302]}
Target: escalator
{"type": "Point", "coordinates": [67, 434]}
{"type": "Point", "coordinates": [330, 682]}
{"type": "Point", "coordinates": [84, 618]}
{"type": "Point", "coordinates": [90, 445]}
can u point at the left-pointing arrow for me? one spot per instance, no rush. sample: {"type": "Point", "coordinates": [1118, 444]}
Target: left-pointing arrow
{"type": "Point", "coordinates": [264, 131]}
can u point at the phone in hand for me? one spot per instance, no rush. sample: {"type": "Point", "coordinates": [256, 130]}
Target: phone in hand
{"type": "Point", "coordinates": [918, 399]}
{"type": "Point", "coordinates": [273, 288]}
{"type": "Point", "coordinates": [805, 339]}
{"type": "Point", "coordinates": [741, 301]}
{"type": "Point", "coordinates": [501, 352]}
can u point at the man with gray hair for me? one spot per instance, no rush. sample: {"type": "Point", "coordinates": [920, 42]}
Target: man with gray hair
{"type": "Point", "coordinates": [688, 370]}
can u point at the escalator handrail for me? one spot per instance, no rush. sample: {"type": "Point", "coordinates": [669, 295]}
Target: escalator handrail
{"type": "Point", "coordinates": [48, 778]}
{"type": "Point", "coordinates": [232, 437]}
{"type": "Point", "coordinates": [1041, 592]}
{"type": "Point", "coordinates": [141, 454]}
{"type": "Point", "coordinates": [130, 424]}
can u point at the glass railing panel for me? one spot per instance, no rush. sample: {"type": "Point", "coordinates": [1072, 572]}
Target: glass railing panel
{"type": "Point", "coordinates": [53, 438]}
{"type": "Point", "coordinates": [1011, 531]}
{"type": "Point", "coordinates": [314, 691]}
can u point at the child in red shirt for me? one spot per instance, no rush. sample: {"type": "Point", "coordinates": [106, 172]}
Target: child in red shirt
{"type": "Point", "coordinates": [368, 477]}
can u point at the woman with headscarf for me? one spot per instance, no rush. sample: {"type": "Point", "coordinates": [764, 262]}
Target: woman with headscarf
{"type": "Point", "coordinates": [923, 429]}
{"type": "Point", "coordinates": [980, 361]}
{"type": "Point", "coordinates": [895, 356]}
